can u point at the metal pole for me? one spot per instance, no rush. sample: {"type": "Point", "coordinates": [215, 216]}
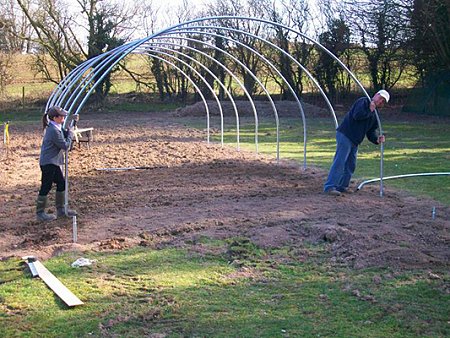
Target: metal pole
{"type": "Point", "coordinates": [192, 82]}
{"type": "Point", "coordinates": [66, 178]}
{"type": "Point", "coordinates": [362, 184]}
{"type": "Point", "coordinates": [74, 229]}
{"type": "Point", "coordinates": [234, 77]}
{"type": "Point", "coordinates": [381, 169]}
{"type": "Point", "coordinates": [206, 83]}
{"type": "Point", "coordinates": [159, 45]}
{"type": "Point", "coordinates": [247, 94]}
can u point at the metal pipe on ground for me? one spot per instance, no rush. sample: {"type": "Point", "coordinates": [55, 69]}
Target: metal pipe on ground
{"type": "Point", "coordinates": [362, 184]}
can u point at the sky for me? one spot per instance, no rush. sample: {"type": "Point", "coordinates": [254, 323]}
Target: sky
{"type": "Point", "coordinates": [167, 14]}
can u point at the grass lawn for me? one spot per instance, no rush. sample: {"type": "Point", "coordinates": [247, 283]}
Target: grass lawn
{"type": "Point", "coordinates": [240, 292]}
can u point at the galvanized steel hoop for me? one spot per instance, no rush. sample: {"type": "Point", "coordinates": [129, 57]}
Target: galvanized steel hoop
{"type": "Point", "coordinates": [74, 90]}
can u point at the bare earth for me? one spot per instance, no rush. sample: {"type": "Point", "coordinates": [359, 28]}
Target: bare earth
{"type": "Point", "coordinates": [190, 189]}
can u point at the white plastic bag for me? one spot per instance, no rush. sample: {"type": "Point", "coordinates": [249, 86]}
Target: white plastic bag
{"type": "Point", "coordinates": [82, 262]}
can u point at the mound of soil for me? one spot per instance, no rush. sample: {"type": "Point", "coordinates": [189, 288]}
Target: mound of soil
{"type": "Point", "coordinates": [244, 108]}
{"type": "Point", "coordinates": [187, 189]}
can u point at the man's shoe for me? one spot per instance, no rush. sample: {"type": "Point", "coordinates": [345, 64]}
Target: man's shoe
{"type": "Point", "coordinates": [345, 191]}
{"type": "Point", "coordinates": [333, 192]}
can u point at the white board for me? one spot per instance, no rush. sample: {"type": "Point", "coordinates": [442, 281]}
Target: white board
{"type": "Point", "coordinates": [54, 283]}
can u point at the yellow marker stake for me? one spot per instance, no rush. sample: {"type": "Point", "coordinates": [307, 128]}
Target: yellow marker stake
{"type": "Point", "coordinates": [6, 133]}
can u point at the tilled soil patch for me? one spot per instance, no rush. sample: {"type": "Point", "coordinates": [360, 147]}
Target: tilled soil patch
{"type": "Point", "coordinates": [188, 189]}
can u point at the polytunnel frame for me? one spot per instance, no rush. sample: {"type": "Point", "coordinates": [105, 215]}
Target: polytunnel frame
{"type": "Point", "coordinates": [250, 19]}
{"type": "Point", "coordinates": [268, 62]}
{"type": "Point", "coordinates": [192, 81]}
{"type": "Point", "coordinates": [75, 75]}
{"type": "Point", "coordinates": [229, 95]}
{"type": "Point", "coordinates": [259, 83]}
{"type": "Point", "coordinates": [332, 56]}
{"type": "Point", "coordinates": [309, 75]}
{"type": "Point", "coordinates": [113, 57]}
{"type": "Point", "coordinates": [252, 74]}
{"type": "Point", "coordinates": [228, 71]}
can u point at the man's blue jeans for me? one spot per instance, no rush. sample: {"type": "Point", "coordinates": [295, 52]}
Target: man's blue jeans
{"type": "Point", "coordinates": [344, 164]}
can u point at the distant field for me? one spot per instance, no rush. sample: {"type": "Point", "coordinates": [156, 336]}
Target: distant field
{"type": "Point", "coordinates": [27, 84]}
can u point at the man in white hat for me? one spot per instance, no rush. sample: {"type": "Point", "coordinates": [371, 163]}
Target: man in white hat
{"type": "Point", "coordinates": [360, 121]}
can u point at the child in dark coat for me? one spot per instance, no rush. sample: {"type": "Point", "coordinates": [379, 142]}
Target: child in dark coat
{"type": "Point", "coordinates": [54, 143]}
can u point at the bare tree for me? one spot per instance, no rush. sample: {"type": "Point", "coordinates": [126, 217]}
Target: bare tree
{"type": "Point", "coordinates": [5, 52]}
{"type": "Point", "coordinates": [64, 39]}
{"type": "Point", "coordinates": [297, 15]}
{"type": "Point", "coordinates": [185, 11]}
{"type": "Point", "coordinates": [328, 72]}
{"type": "Point", "coordinates": [430, 41]}
{"type": "Point", "coordinates": [430, 21]}
{"type": "Point", "coordinates": [147, 17]}
{"type": "Point", "coordinates": [5, 73]}
{"type": "Point", "coordinates": [13, 29]}
{"type": "Point", "coordinates": [381, 29]}
{"type": "Point", "coordinates": [105, 22]}
{"type": "Point", "coordinates": [53, 38]}
{"type": "Point", "coordinates": [169, 83]}
{"type": "Point", "coordinates": [250, 8]}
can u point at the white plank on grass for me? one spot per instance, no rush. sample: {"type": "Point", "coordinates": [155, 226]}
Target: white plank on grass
{"type": "Point", "coordinates": [29, 261]}
{"type": "Point", "coordinates": [54, 283]}
{"type": "Point", "coordinates": [34, 273]}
